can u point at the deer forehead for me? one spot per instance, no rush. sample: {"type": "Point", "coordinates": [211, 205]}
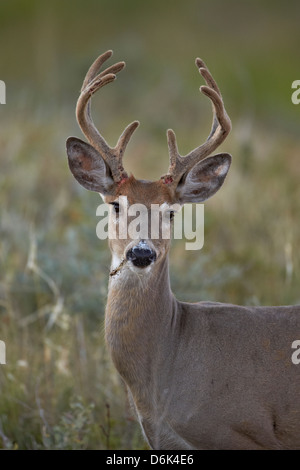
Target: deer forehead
{"type": "Point", "coordinates": [143, 192]}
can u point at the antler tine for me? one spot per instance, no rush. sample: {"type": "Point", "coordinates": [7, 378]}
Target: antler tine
{"type": "Point", "coordinates": [92, 83]}
{"type": "Point", "coordinates": [221, 127]}
{"type": "Point", "coordinates": [95, 67]}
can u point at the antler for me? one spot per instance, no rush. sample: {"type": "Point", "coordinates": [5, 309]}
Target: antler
{"type": "Point", "coordinates": [221, 127]}
{"type": "Point", "coordinates": [92, 83]}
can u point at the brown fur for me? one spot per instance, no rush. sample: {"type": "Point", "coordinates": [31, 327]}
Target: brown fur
{"type": "Point", "coordinates": [144, 192]}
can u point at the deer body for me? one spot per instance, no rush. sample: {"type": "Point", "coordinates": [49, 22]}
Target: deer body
{"type": "Point", "coordinates": [205, 375]}
{"type": "Point", "coordinates": [200, 376]}
{"type": "Point", "coordinates": [217, 376]}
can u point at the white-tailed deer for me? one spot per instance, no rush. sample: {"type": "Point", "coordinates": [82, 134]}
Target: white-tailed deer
{"type": "Point", "coordinates": [205, 375]}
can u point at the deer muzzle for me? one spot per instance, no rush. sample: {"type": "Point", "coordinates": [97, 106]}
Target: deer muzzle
{"type": "Point", "coordinates": [141, 255]}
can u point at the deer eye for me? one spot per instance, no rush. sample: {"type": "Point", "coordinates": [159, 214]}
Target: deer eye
{"type": "Point", "coordinates": [116, 207]}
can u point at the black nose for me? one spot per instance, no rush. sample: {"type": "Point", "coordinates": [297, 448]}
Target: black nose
{"type": "Point", "coordinates": [141, 256]}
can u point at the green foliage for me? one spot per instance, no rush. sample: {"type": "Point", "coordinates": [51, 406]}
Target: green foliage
{"type": "Point", "coordinates": [73, 430]}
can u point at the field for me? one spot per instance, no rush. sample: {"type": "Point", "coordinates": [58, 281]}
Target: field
{"type": "Point", "coordinates": [59, 389]}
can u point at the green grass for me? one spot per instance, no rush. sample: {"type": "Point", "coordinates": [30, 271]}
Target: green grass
{"type": "Point", "coordinates": [59, 389]}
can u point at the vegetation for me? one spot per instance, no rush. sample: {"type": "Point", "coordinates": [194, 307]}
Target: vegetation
{"type": "Point", "coordinates": [59, 389]}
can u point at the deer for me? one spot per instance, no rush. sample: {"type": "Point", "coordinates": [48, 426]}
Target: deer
{"type": "Point", "coordinates": [204, 375]}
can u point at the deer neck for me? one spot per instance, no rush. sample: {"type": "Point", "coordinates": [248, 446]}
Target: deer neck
{"type": "Point", "coordinates": [139, 309]}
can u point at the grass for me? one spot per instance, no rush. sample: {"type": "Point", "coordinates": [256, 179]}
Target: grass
{"type": "Point", "coordinates": [59, 389]}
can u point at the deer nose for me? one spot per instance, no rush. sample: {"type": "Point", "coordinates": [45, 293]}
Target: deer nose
{"type": "Point", "coordinates": [141, 255]}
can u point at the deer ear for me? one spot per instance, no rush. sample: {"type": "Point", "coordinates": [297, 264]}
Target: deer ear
{"type": "Point", "coordinates": [204, 179]}
{"type": "Point", "coordinates": [88, 167]}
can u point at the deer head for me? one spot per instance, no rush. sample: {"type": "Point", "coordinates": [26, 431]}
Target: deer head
{"type": "Point", "coordinates": [99, 167]}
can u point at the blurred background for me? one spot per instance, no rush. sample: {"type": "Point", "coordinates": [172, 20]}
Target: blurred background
{"type": "Point", "coordinates": [59, 389]}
